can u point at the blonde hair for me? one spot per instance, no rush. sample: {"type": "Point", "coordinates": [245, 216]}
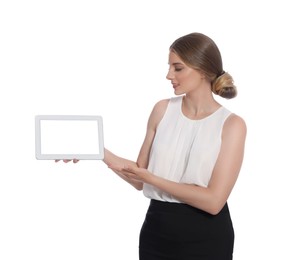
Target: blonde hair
{"type": "Point", "coordinates": [200, 52]}
{"type": "Point", "coordinates": [224, 86]}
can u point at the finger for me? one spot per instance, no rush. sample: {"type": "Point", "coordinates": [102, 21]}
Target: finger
{"type": "Point", "coordinates": [129, 169]}
{"type": "Point", "coordinates": [57, 160]}
{"type": "Point", "coordinates": [66, 161]}
{"type": "Point", "coordinates": [75, 160]}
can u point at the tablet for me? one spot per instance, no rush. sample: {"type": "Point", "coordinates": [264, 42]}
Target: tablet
{"type": "Point", "coordinates": [69, 137]}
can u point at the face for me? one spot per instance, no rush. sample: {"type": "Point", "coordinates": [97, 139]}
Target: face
{"type": "Point", "coordinates": [183, 78]}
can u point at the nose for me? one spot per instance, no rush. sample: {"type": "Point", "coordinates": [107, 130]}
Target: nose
{"type": "Point", "coordinates": [169, 75]}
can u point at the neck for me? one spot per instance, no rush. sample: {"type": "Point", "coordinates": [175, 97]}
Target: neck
{"type": "Point", "coordinates": [195, 107]}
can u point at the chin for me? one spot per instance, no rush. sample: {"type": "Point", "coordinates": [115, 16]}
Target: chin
{"type": "Point", "coordinates": [178, 93]}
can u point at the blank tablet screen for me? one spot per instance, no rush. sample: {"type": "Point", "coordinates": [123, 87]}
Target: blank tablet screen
{"type": "Point", "coordinates": [69, 137]}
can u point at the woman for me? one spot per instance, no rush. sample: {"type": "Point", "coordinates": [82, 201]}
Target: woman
{"type": "Point", "coordinates": [190, 159]}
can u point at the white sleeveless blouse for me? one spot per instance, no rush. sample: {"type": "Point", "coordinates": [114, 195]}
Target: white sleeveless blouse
{"type": "Point", "coordinates": [184, 150]}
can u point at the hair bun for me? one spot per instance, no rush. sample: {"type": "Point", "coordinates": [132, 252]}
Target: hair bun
{"type": "Point", "coordinates": [224, 86]}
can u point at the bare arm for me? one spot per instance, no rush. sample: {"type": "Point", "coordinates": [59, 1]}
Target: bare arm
{"type": "Point", "coordinates": [111, 159]}
{"type": "Point", "coordinates": [116, 163]}
{"type": "Point", "coordinates": [212, 198]}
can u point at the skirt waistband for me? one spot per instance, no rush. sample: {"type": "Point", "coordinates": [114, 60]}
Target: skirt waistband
{"type": "Point", "coordinates": [164, 206]}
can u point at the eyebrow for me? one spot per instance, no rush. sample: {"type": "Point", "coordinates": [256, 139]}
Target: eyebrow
{"type": "Point", "coordinates": [177, 63]}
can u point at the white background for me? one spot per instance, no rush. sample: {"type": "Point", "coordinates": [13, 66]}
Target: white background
{"type": "Point", "coordinates": [110, 58]}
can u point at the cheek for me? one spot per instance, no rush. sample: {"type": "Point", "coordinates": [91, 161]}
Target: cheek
{"type": "Point", "coordinates": [186, 79]}
{"type": "Point", "coordinates": [183, 77]}
{"type": "Point", "coordinates": [190, 81]}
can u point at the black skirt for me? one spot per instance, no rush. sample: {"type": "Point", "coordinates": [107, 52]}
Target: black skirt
{"type": "Point", "coordinates": [180, 232]}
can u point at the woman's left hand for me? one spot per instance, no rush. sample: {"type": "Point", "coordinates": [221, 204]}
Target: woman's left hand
{"type": "Point", "coordinates": [133, 172]}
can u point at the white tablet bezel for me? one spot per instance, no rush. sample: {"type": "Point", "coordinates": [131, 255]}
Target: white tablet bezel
{"type": "Point", "coordinates": [79, 156]}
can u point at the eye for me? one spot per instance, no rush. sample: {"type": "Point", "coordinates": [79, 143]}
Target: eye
{"type": "Point", "coordinates": [178, 69]}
